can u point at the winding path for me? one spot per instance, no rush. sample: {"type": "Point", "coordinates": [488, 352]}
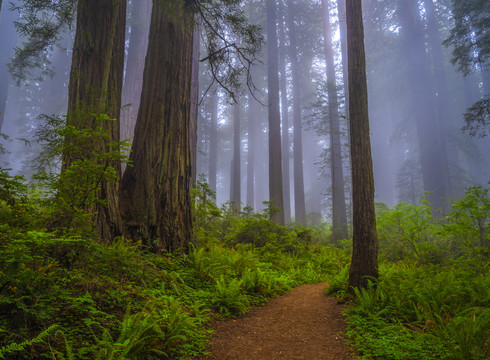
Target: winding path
{"type": "Point", "coordinates": [302, 324]}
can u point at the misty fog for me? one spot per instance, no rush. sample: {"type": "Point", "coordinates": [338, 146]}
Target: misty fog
{"type": "Point", "coordinates": [417, 98]}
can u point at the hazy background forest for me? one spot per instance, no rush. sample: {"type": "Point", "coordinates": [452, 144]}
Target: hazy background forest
{"type": "Point", "coordinates": [238, 184]}
{"type": "Point", "coordinates": [417, 99]}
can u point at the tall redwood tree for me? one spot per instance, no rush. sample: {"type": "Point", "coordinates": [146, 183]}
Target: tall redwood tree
{"type": "Point", "coordinates": [275, 158]}
{"type": "Point", "coordinates": [94, 91]}
{"type": "Point", "coordinates": [155, 195]}
{"type": "Point", "coordinates": [339, 211]}
{"type": "Point", "coordinates": [364, 262]}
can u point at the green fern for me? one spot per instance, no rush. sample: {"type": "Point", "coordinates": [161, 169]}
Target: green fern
{"type": "Point", "coordinates": [228, 298]}
{"type": "Point", "coordinates": [40, 338]}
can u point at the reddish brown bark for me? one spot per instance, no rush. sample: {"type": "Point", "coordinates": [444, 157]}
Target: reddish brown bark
{"type": "Point", "coordinates": [364, 264]}
{"type": "Point", "coordinates": [95, 88]}
{"type": "Point", "coordinates": [156, 190]}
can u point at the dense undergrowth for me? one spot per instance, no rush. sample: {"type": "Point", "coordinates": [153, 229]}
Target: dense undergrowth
{"type": "Point", "coordinates": [432, 300]}
{"type": "Point", "coordinates": [63, 295]}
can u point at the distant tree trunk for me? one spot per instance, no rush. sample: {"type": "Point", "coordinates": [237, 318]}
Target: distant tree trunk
{"type": "Point", "coordinates": [440, 97]}
{"type": "Point", "coordinates": [428, 133]}
{"type": "Point", "coordinates": [252, 123]}
{"type": "Point", "coordinates": [364, 262]}
{"type": "Point", "coordinates": [156, 190]}
{"type": "Point", "coordinates": [54, 94]}
{"type": "Point", "coordinates": [194, 104]}
{"type": "Point", "coordinates": [95, 88]}
{"type": "Point", "coordinates": [299, 187]}
{"type": "Point", "coordinates": [343, 50]}
{"type": "Point", "coordinates": [138, 44]}
{"type": "Point", "coordinates": [284, 116]}
{"type": "Point", "coordinates": [236, 182]}
{"type": "Point", "coordinates": [470, 86]}
{"type": "Point", "coordinates": [232, 173]}
{"type": "Point", "coordinates": [7, 44]}
{"type": "Point", "coordinates": [213, 139]}
{"type": "Point", "coordinates": [339, 212]}
{"type": "Point", "coordinates": [275, 168]}
{"type": "Point", "coordinates": [485, 74]}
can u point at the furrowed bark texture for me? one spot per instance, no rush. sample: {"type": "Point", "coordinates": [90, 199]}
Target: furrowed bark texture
{"type": "Point", "coordinates": [155, 191]}
{"type": "Point", "coordinates": [275, 166]}
{"type": "Point", "coordinates": [339, 212]}
{"type": "Point", "coordinates": [364, 262]}
{"type": "Point", "coordinates": [95, 88]}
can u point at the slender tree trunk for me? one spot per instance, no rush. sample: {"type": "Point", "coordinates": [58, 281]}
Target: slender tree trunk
{"type": "Point", "coordinates": [339, 212]}
{"type": "Point", "coordinates": [232, 175]}
{"type": "Point", "coordinates": [420, 81]}
{"type": "Point", "coordinates": [252, 123]}
{"type": "Point", "coordinates": [9, 39]}
{"type": "Point", "coordinates": [194, 104]}
{"type": "Point", "coordinates": [284, 115]}
{"type": "Point", "coordinates": [299, 187]}
{"type": "Point", "coordinates": [138, 44]}
{"type": "Point", "coordinates": [213, 139]}
{"type": "Point", "coordinates": [156, 190]}
{"type": "Point", "coordinates": [343, 50]}
{"type": "Point", "coordinates": [95, 88]}
{"type": "Point", "coordinates": [275, 166]}
{"type": "Point", "coordinates": [364, 262]}
{"type": "Point", "coordinates": [236, 182]}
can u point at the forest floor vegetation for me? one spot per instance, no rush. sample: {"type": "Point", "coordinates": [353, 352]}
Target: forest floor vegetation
{"type": "Point", "coordinates": [65, 295]}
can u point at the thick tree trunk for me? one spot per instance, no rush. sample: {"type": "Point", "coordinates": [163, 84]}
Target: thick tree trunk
{"type": "Point", "coordinates": [299, 187]}
{"type": "Point", "coordinates": [364, 262]}
{"type": "Point", "coordinates": [213, 140]}
{"type": "Point", "coordinates": [252, 123]}
{"type": "Point", "coordinates": [194, 104]}
{"type": "Point", "coordinates": [236, 178]}
{"type": "Point", "coordinates": [156, 190]}
{"type": "Point", "coordinates": [95, 88]}
{"type": "Point", "coordinates": [138, 44]}
{"type": "Point", "coordinates": [284, 116]}
{"type": "Point", "coordinates": [339, 212]}
{"type": "Point", "coordinates": [275, 158]}
{"type": "Point", "coordinates": [428, 133]}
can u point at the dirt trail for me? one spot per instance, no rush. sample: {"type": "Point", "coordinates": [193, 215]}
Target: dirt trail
{"type": "Point", "coordinates": [303, 324]}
